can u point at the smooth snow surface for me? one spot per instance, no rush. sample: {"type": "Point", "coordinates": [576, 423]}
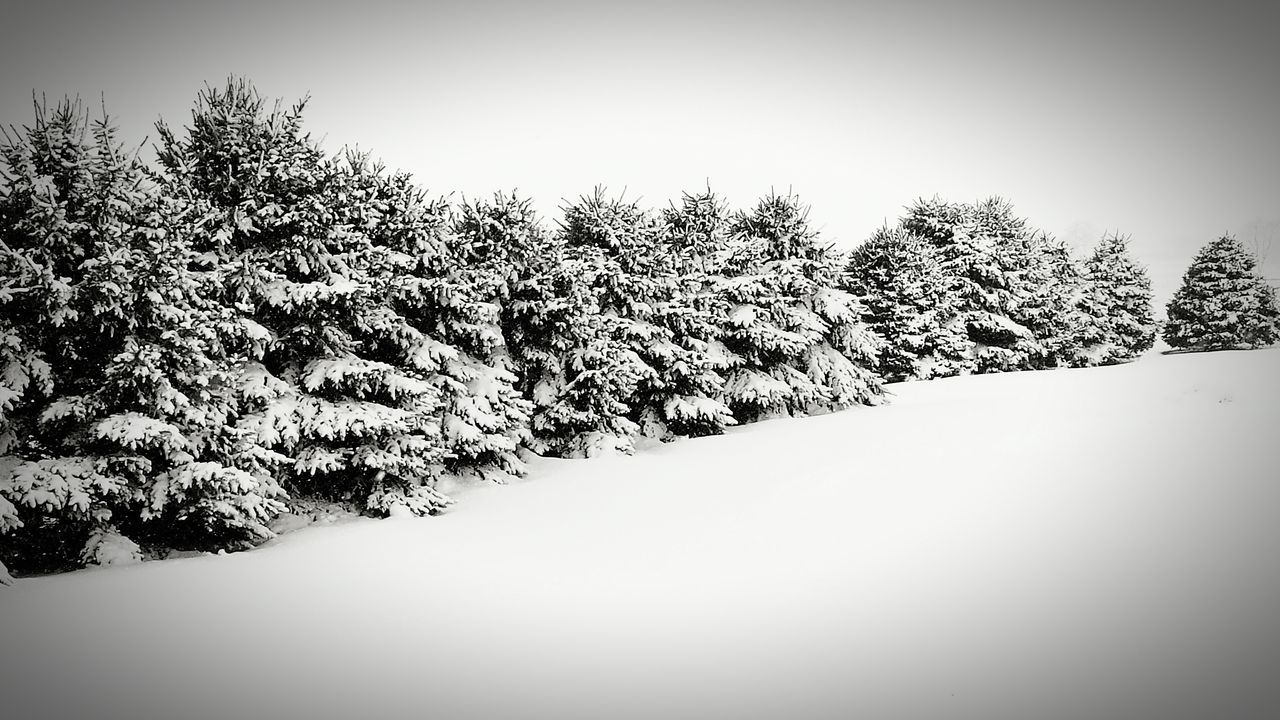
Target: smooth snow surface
{"type": "Point", "coordinates": [1099, 543]}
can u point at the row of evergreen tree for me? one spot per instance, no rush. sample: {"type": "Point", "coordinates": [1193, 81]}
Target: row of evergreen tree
{"type": "Point", "coordinates": [970, 288]}
{"type": "Point", "coordinates": [189, 346]}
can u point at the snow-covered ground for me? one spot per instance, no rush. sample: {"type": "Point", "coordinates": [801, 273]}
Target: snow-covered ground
{"type": "Point", "coordinates": [1099, 543]}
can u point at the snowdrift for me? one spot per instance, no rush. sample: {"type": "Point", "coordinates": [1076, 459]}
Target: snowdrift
{"type": "Point", "coordinates": [1098, 543]}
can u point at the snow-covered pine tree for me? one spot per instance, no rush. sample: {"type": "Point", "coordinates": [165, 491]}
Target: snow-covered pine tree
{"type": "Point", "coordinates": [911, 304]}
{"type": "Point", "coordinates": [569, 362]}
{"type": "Point", "coordinates": [978, 248]}
{"type": "Point", "coordinates": [759, 354]}
{"type": "Point", "coordinates": [1223, 302]}
{"type": "Point", "coordinates": [444, 316]}
{"type": "Point", "coordinates": [326, 380]}
{"type": "Point", "coordinates": [1053, 310]}
{"type": "Point", "coordinates": [650, 307]}
{"type": "Point", "coordinates": [797, 342]}
{"type": "Point", "coordinates": [1013, 282]}
{"type": "Point", "coordinates": [693, 240]}
{"type": "Point", "coordinates": [117, 414]}
{"type": "Point", "coordinates": [1119, 324]}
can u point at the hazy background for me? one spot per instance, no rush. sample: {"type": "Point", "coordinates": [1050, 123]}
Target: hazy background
{"type": "Point", "coordinates": [1156, 119]}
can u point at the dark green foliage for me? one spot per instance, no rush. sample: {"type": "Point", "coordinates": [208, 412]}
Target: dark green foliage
{"type": "Point", "coordinates": [1223, 303]}
{"type": "Point", "coordinates": [796, 341]}
{"type": "Point", "coordinates": [443, 317]}
{"type": "Point", "coordinates": [911, 304]}
{"type": "Point", "coordinates": [186, 350]}
{"type": "Point", "coordinates": [1119, 324]}
{"type": "Point", "coordinates": [564, 349]}
{"type": "Point", "coordinates": [1017, 288]}
{"type": "Point", "coordinates": [653, 294]}
{"type": "Point", "coordinates": [119, 418]}
{"type": "Point", "coordinates": [339, 385]}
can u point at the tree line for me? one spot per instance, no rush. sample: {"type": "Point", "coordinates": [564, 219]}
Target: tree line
{"type": "Point", "coordinates": [191, 345]}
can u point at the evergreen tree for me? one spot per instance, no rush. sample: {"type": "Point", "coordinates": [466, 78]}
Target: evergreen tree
{"type": "Point", "coordinates": [796, 341]}
{"type": "Point", "coordinates": [1053, 310]}
{"type": "Point", "coordinates": [444, 317]}
{"type": "Point", "coordinates": [339, 385]}
{"type": "Point", "coordinates": [979, 249]}
{"type": "Point", "coordinates": [693, 240]}
{"type": "Point", "coordinates": [118, 418]}
{"type": "Point", "coordinates": [1223, 302]}
{"type": "Point", "coordinates": [652, 307]}
{"type": "Point", "coordinates": [563, 348]}
{"type": "Point", "coordinates": [1119, 323]}
{"type": "Point", "coordinates": [910, 303]}
{"type": "Point", "coordinates": [1016, 286]}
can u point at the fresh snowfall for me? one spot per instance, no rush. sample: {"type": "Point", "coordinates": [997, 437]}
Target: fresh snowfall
{"type": "Point", "coordinates": [391, 453]}
{"type": "Point", "coordinates": [1075, 543]}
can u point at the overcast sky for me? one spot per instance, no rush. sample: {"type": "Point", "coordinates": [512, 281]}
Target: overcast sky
{"type": "Point", "coordinates": [1158, 119]}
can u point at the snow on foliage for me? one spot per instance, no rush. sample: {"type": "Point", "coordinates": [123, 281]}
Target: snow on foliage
{"type": "Point", "coordinates": [797, 340]}
{"type": "Point", "coordinates": [912, 304]}
{"type": "Point", "coordinates": [1119, 324]}
{"type": "Point", "coordinates": [135, 379]}
{"type": "Point", "coordinates": [658, 308]}
{"type": "Point", "coordinates": [1223, 302]}
{"type": "Point", "coordinates": [69, 487]}
{"type": "Point", "coordinates": [190, 350]}
{"type": "Point", "coordinates": [106, 546]}
{"type": "Point", "coordinates": [565, 352]}
{"type": "Point", "coordinates": [1016, 288]}
{"type": "Point", "coordinates": [306, 249]}
{"type": "Point", "coordinates": [136, 431]}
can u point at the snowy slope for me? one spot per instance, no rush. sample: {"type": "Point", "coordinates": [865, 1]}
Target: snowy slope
{"type": "Point", "coordinates": [1099, 543]}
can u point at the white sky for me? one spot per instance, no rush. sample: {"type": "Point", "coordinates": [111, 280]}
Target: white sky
{"type": "Point", "coordinates": [1157, 119]}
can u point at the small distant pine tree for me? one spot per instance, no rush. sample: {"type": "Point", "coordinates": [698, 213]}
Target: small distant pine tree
{"type": "Point", "coordinates": [911, 304]}
{"type": "Point", "coordinates": [1119, 324]}
{"type": "Point", "coordinates": [1223, 302]}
